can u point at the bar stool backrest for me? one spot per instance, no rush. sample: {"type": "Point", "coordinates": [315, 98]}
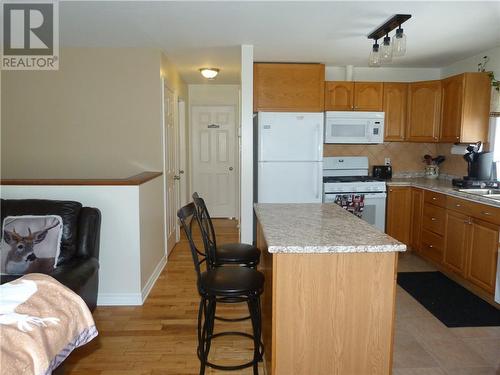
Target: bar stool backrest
{"type": "Point", "coordinates": [188, 216]}
{"type": "Point", "coordinates": [207, 227]}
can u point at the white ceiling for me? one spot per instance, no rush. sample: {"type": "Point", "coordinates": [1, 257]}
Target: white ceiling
{"type": "Point", "coordinates": [197, 34]}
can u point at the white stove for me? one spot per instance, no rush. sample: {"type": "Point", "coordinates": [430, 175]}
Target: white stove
{"type": "Point", "coordinates": [348, 175]}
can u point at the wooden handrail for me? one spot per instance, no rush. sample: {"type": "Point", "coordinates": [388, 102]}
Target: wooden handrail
{"type": "Point", "coordinates": [137, 179]}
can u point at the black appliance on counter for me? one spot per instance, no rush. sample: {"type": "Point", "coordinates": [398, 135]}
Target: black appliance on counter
{"type": "Point", "coordinates": [479, 169]}
{"type": "Point", "coordinates": [383, 172]}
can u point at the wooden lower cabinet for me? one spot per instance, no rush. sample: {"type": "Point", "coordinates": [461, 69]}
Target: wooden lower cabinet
{"type": "Point", "coordinates": [483, 253]}
{"type": "Point", "coordinates": [399, 213]}
{"type": "Point", "coordinates": [417, 205]}
{"type": "Point", "coordinates": [461, 237]}
{"type": "Point", "coordinates": [457, 241]}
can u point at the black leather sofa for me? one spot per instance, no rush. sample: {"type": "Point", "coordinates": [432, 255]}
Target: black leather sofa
{"type": "Point", "coordinates": [78, 264]}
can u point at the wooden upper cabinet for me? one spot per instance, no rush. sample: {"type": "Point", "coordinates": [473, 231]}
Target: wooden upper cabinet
{"type": "Point", "coordinates": [339, 96]}
{"type": "Point", "coordinates": [353, 96]}
{"type": "Point", "coordinates": [395, 104]}
{"type": "Point", "coordinates": [451, 114]}
{"type": "Point", "coordinates": [289, 87]}
{"type": "Point", "coordinates": [424, 111]}
{"type": "Point", "coordinates": [465, 108]}
{"type": "Point", "coordinates": [368, 96]}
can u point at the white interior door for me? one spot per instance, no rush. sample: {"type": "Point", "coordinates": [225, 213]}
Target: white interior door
{"type": "Point", "coordinates": [183, 149]}
{"type": "Point", "coordinates": [214, 158]}
{"type": "Point", "coordinates": [171, 167]}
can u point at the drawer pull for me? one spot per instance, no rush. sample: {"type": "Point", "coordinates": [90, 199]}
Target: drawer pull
{"type": "Point", "coordinates": [458, 205]}
{"type": "Point", "coordinates": [433, 219]}
{"type": "Point", "coordinates": [430, 246]}
{"type": "Point", "coordinates": [434, 198]}
{"type": "Point", "coordinates": [486, 213]}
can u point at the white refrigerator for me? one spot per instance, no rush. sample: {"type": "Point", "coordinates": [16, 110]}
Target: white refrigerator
{"type": "Point", "coordinates": [289, 157]}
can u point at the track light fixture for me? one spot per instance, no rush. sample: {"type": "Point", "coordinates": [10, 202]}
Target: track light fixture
{"type": "Point", "coordinates": [388, 50]}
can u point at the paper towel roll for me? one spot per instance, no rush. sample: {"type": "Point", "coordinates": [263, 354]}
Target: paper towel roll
{"type": "Point", "coordinates": [458, 149]}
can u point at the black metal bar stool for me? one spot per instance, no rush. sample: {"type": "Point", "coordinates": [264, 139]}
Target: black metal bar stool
{"type": "Point", "coordinates": [230, 253]}
{"type": "Point", "coordinates": [228, 284]}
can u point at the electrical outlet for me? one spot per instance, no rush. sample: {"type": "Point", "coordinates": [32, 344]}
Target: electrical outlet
{"type": "Point", "coordinates": [387, 161]}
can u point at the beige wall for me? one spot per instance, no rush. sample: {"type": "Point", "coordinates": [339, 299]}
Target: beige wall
{"type": "Point", "coordinates": [98, 116]}
{"type": "Point", "coordinates": [405, 156]}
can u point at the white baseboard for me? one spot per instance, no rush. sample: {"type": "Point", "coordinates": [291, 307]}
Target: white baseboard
{"type": "Point", "coordinates": [132, 299]}
{"type": "Point", "coordinates": [152, 279]}
{"type": "Point", "coordinates": [119, 299]}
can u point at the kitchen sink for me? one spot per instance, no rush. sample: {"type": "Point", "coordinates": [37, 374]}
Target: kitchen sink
{"type": "Point", "coordinates": [488, 193]}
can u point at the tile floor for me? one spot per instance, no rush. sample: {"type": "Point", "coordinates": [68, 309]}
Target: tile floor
{"type": "Point", "coordinates": [425, 346]}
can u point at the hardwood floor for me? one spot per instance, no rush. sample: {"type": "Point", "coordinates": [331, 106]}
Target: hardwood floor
{"type": "Point", "coordinates": [160, 337]}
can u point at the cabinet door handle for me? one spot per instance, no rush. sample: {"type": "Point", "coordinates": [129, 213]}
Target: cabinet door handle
{"type": "Point", "coordinates": [458, 205]}
{"type": "Point", "coordinates": [430, 246]}
{"type": "Point", "coordinates": [486, 213]}
{"type": "Point", "coordinates": [433, 219]}
{"type": "Point", "coordinates": [434, 198]}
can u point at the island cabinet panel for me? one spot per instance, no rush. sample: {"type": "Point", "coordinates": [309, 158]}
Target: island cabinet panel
{"type": "Point", "coordinates": [465, 108]}
{"type": "Point", "coordinates": [417, 205]}
{"type": "Point", "coordinates": [289, 87]}
{"type": "Point", "coordinates": [424, 111]}
{"type": "Point", "coordinates": [457, 242]}
{"type": "Point", "coordinates": [482, 262]}
{"type": "Point", "coordinates": [339, 96]}
{"type": "Point", "coordinates": [368, 96]}
{"type": "Point", "coordinates": [399, 213]}
{"type": "Point", "coordinates": [395, 105]}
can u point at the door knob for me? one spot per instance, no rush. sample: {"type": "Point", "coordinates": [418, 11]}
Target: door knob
{"type": "Point", "coordinates": [177, 177]}
{"type": "Point", "coordinates": [230, 168]}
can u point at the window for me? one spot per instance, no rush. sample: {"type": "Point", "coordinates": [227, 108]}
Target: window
{"type": "Point", "coordinates": [495, 142]}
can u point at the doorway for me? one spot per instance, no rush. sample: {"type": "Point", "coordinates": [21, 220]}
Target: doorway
{"type": "Point", "coordinates": [214, 160]}
{"type": "Point", "coordinates": [170, 166]}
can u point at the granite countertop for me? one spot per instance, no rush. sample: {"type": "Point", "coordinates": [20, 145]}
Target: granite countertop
{"type": "Point", "coordinates": [319, 228]}
{"type": "Point", "coordinates": [441, 186]}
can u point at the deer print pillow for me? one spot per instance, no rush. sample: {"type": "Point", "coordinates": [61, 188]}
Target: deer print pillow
{"type": "Point", "coordinates": [30, 244]}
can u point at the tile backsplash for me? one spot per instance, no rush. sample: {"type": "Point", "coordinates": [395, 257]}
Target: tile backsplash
{"type": "Point", "coordinates": [405, 156]}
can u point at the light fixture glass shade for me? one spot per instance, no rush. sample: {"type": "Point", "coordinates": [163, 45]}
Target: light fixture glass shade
{"type": "Point", "coordinates": [209, 73]}
{"type": "Point", "coordinates": [386, 50]}
{"type": "Point", "coordinates": [399, 43]}
{"type": "Point", "coordinates": [374, 59]}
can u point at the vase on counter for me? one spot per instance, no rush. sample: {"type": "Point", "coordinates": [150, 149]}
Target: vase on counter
{"type": "Point", "coordinates": [431, 171]}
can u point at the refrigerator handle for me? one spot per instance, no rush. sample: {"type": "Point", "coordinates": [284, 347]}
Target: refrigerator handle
{"type": "Point", "coordinates": [318, 142]}
{"type": "Point", "coordinates": [317, 179]}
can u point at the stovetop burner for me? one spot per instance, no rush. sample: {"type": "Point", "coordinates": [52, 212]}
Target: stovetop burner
{"type": "Point", "coordinates": [350, 179]}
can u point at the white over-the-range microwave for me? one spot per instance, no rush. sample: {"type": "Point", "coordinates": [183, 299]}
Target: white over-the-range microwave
{"type": "Point", "coordinates": [354, 127]}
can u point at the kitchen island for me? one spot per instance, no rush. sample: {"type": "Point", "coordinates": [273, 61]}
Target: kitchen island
{"type": "Point", "coordinates": [329, 299]}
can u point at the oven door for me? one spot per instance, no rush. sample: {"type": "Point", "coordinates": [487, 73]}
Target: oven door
{"type": "Point", "coordinates": [374, 208]}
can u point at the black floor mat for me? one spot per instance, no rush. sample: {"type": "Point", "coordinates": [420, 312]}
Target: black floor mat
{"type": "Point", "coordinates": [448, 301]}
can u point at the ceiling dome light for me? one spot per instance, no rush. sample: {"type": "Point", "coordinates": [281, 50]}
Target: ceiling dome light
{"type": "Point", "coordinates": [209, 73]}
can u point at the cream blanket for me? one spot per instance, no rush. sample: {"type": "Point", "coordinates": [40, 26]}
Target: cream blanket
{"type": "Point", "coordinates": [41, 322]}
